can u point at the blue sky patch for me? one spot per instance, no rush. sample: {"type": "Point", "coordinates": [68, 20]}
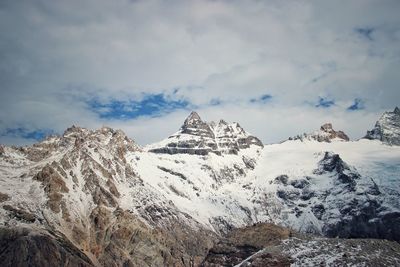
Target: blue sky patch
{"type": "Point", "coordinates": [262, 99]}
{"type": "Point", "coordinates": [37, 135]}
{"type": "Point", "coordinates": [365, 32]}
{"type": "Point", "coordinates": [357, 105]}
{"type": "Point", "coordinates": [324, 103]}
{"type": "Point", "coordinates": [150, 105]}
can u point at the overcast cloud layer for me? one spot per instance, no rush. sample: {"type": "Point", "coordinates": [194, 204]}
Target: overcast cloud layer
{"type": "Point", "coordinates": [279, 68]}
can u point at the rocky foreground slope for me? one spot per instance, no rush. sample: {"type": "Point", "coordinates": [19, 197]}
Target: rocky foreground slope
{"type": "Point", "coordinates": [97, 198]}
{"type": "Point", "coordinates": [270, 245]}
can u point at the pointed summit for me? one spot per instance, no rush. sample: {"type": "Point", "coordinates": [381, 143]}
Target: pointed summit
{"type": "Point", "coordinates": [192, 119]}
{"type": "Point", "coordinates": [199, 137]}
{"type": "Point", "coordinates": [387, 128]}
{"type": "Point", "coordinates": [327, 127]}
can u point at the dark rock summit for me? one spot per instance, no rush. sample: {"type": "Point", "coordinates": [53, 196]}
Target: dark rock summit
{"type": "Point", "coordinates": [193, 125]}
{"type": "Point", "coordinates": [387, 128]}
{"type": "Point", "coordinates": [201, 138]}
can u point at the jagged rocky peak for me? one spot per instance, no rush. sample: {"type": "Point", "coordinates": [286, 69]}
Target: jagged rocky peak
{"type": "Point", "coordinates": [387, 128]}
{"type": "Point", "coordinates": [199, 137]}
{"type": "Point", "coordinates": [193, 125]}
{"type": "Point", "coordinates": [193, 119]}
{"type": "Point", "coordinates": [326, 133]}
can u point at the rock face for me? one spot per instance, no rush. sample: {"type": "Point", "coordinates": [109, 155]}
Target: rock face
{"type": "Point", "coordinates": [81, 186]}
{"type": "Point", "coordinates": [325, 134]}
{"type": "Point", "coordinates": [387, 128]}
{"type": "Point", "coordinates": [242, 243]}
{"type": "Point", "coordinates": [336, 202]}
{"type": "Point", "coordinates": [201, 138]}
{"type": "Point", "coordinates": [27, 247]}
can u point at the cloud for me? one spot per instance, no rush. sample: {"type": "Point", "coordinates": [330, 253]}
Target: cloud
{"type": "Point", "coordinates": [140, 65]}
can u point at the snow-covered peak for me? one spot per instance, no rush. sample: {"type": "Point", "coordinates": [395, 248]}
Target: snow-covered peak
{"type": "Point", "coordinates": [326, 133]}
{"type": "Point", "coordinates": [387, 128]}
{"type": "Point", "coordinates": [193, 119]}
{"type": "Point", "coordinates": [200, 138]}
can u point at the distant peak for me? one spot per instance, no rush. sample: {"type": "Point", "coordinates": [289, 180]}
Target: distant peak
{"type": "Point", "coordinates": [396, 110]}
{"type": "Point", "coordinates": [73, 129]}
{"type": "Point", "coordinates": [327, 127]}
{"type": "Point", "coordinates": [222, 122]}
{"type": "Point", "coordinates": [193, 118]}
{"type": "Point", "coordinates": [325, 134]}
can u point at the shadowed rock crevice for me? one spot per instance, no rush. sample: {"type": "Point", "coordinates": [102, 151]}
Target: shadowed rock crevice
{"type": "Point", "coordinates": [27, 247]}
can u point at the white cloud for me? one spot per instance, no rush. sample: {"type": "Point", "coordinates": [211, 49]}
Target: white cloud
{"type": "Point", "coordinates": [232, 51]}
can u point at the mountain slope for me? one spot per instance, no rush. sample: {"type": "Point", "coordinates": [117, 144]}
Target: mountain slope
{"type": "Point", "coordinates": [387, 128]}
{"type": "Point", "coordinates": [168, 203]}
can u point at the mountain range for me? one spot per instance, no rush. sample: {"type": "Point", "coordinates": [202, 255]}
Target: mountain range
{"type": "Point", "coordinates": [210, 194]}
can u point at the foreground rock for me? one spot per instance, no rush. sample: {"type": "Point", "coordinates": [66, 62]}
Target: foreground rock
{"type": "Point", "coordinates": [270, 245]}
{"type": "Point", "coordinates": [243, 243]}
{"type": "Point", "coordinates": [27, 247]}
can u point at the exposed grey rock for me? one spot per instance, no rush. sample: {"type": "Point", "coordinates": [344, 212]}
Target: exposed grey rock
{"type": "Point", "coordinates": [387, 128]}
{"type": "Point", "coordinates": [344, 174]}
{"type": "Point", "coordinates": [281, 179]}
{"type": "Point", "coordinates": [342, 207]}
{"type": "Point", "coordinates": [325, 134]}
{"type": "Point", "coordinates": [4, 197]}
{"type": "Point", "coordinates": [20, 214]}
{"type": "Point", "coordinates": [197, 137]}
{"type": "Point", "coordinates": [241, 243]}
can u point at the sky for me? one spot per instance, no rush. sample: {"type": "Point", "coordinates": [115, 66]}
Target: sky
{"type": "Point", "coordinates": [279, 68]}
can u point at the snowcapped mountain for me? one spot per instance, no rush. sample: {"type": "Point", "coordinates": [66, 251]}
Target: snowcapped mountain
{"type": "Point", "coordinates": [115, 203]}
{"type": "Point", "coordinates": [387, 128]}
{"type": "Point", "coordinates": [325, 134]}
{"type": "Point", "coordinates": [201, 138]}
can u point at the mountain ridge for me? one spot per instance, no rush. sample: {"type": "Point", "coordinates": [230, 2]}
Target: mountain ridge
{"type": "Point", "coordinates": [121, 204]}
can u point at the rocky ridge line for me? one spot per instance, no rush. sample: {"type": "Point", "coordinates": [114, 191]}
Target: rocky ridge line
{"type": "Point", "coordinates": [201, 138]}
{"type": "Point", "coordinates": [325, 134]}
{"type": "Point", "coordinates": [387, 128]}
